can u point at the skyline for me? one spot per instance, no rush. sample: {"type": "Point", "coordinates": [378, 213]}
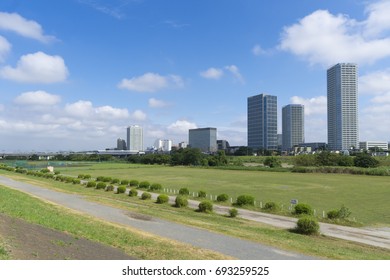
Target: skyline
{"type": "Point", "coordinates": [169, 67]}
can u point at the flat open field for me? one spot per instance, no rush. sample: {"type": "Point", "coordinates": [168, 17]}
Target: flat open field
{"type": "Point", "coordinates": [368, 197]}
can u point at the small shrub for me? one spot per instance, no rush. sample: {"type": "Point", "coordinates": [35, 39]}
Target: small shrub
{"type": "Point", "coordinates": [205, 206]}
{"type": "Point", "coordinates": [115, 181]}
{"type": "Point", "coordinates": [307, 225]}
{"type": "Point", "coordinates": [184, 191]}
{"type": "Point", "coordinates": [101, 185]}
{"type": "Point", "coordinates": [109, 188]}
{"type": "Point", "coordinates": [144, 185]}
{"type": "Point", "coordinates": [156, 187]}
{"type": "Point", "coordinates": [233, 212]}
{"type": "Point", "coordinates": [303, 209]}
{"type": "Point", "coordinates": [76, 181]}
{"type": "Point", "coordinates": [107, 179]}
{"type": "Point", "coordinates": [87, 176]}
{"type": "Point", "coordinates": [133, 183]}
{"type": "Point", "coordinates": [133, 192]}
{"type": "Point", "coordinates": [121, 189]}
{"type": "Point", "coordinates": [333, 214]}
{"type": "Point", "coordinates": [146, 195]}
{"type": "Point", "coordinates": [125, 182]}
{"type": "Point", "coordinates": [181, 201]}
{"type": "Point", "coordinates": [272, 162]}
{"type": "Point", "coordinates": [271, 206]}
{"type": "Point", "coordinates": [222, 197]}
{"type": "Point", "coordinates": [162, 198]}
{"type": "Point", "coordinates": [245, 200]}
{"type": "Point", "coordinates": [99, 178]}
{"type": "Point", "coordinates": [80, 176]}
{"type": "Point", "coordinates": [91, 184]}
{"type": "Point", "coordinates": [342, 213]}
{"type": "Point", "coordinates": [201, 194]}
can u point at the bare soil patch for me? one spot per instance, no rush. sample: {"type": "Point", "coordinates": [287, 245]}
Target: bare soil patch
{"type": "Point", "coordinates": [26, 241]}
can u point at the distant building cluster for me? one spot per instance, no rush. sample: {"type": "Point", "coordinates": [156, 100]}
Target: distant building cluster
{"type": "Point", "coordinates": [262, 125]}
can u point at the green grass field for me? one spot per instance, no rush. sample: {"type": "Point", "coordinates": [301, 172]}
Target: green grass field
{"type": "Point", "coordinates": [366, 196]}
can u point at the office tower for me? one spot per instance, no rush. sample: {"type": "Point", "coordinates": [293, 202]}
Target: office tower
{"type": "Point", "coordinates": [135, 140]}
{"type": "Point", "coordinates": [342, 88]}
{"type": "Point", "coordinates": [293, 126]}
{"type": "Point", "coordinates": [262, 122]}
{"type": "Point", "coordinates": [163, 145]}
{"type": "Point", "coordinates": [121, 144]}
{"type": "Point", "coordinates": [203, 138]}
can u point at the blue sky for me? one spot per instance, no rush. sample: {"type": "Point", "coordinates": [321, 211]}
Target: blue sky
{"type": "Point", "coordinates": [75, 73]}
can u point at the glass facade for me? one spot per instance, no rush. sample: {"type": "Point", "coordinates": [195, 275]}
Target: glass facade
{"type": "Point", "coordinates": [204, 139]}
{"type": "Point", "coordinates": [293, 127]}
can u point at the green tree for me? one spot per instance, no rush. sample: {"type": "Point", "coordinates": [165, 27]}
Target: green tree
{"type": "Point", "coordinates": [365, 161]}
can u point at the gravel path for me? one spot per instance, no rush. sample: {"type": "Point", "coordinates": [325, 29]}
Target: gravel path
{"type": "Point", "coordinates": [235, 247]}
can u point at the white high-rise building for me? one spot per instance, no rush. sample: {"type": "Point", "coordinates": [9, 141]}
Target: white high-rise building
{"type": "Point", "coordinates": [135, 139]}
{"type": "Point", "coordinates": [163, 145]}
{"type": "Point", "coordinates": [343, 123]}
{"type": "Point", "coordinates": [293, 126]}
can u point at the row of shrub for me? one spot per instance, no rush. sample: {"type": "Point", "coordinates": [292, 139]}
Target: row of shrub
{"type": "Point", "coordinates": [343, 170]}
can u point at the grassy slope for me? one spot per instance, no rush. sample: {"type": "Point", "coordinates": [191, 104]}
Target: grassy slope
{"type": "Point", "coordinates": [366, 196]}
{"type": "Point", "coordinates": [312, 245]}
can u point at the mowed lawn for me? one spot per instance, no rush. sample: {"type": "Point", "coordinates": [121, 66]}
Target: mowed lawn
{"type": "Point", "coordinates": [368, 197]}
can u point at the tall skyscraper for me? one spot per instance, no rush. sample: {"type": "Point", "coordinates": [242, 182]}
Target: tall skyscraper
{"type": "Point", "coordinates": [262, 122]}
{"type": "Point", "coordinates": [135, 139]}
{"type": "Point", "coordinates": [293, 126]}
{"type": "Point", "coordinates": [203, 138]}
{"type": "Point", "coordinates": [343, 124]}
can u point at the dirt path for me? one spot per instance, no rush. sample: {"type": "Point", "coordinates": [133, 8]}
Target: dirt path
{"type": "Point", "coordinates": [231, 246]}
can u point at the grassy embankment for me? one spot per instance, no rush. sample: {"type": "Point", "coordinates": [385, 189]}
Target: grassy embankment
{"type": "Point", "coordinates": [318, 246]}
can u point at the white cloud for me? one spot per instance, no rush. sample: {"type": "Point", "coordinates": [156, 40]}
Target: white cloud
{"type": "Point", "coordinates": [155, 103]}
{"type": "Point", "coordinates": [138, 115]}
{"type": "Point", "coordinates": [313, 106]}
{"type": "Point", "coordinates": [151, 82]}
{"type": "Point", "coordinates": [236, 73]}
{"type": "Point", "coordinates": [85, 110]}
{"type": "Point", "coordinates": [212, 73]}
{"type": "Point", "coordinates": [324, 38]}
{"type": "Point", "coordinates": [378, 21]}
{"type": "Point", "coordinates": [37, 68]}
{"type": "Point", "coordinates": [181, 127]}
{"type": "Point", "coordinates": [39, 98]}
{"type": "Point", "coordinates": [258, 50]}
{"type": "Point", "coordinates": [26, 28]}
{"type": "Point", "coordinates": [80, 109]}
{"type": "Point", "coordinates": [375, 83]}
{"type": "Point", "coordinates": [5, 47]}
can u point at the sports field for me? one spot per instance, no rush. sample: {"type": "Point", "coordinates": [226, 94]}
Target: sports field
{"type": "Point", "coordinates": [366, 196]}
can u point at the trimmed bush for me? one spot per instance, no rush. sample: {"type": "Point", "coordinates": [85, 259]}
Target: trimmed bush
{"type": "Point", "coordinates": [342, 213]}
{"type": "Point", "coordinates": [162, 198]}
{"type": "Point", "coordinates": [245, 200]}
{"type": "Point", "coordinates": [144, 185]}
{"type": "Point", "coordinates": [181, 201]}
{"type": "Point", "coordinates": [271, 206]}
{"type": "Point", "coordinates": [222, 197]}
{"type": "Point", "coordinates": [134, 183]}
{"type": "Point", "coordinates": [205, 206]}
{"type": "Point", "coordinates": [115, 181]}
{"type": "Point", "coordinates": [109, 188]}
{"type": "Point", "coordinates": [87, 176]}
{"type": "Point", "coordinates": [99, 178]}
{"type": "Point", "coordinates": [125, 182]}
{"type": "Point", "coordinates": [146, 195]}
{"type": "Point", "coordinates": [101, 185]}
{"type": "Point", "coordinates": [201, 194]}
{"type": "Point", "coordinates": [233, 212]}
{"type": "Point", "coordinates": [133, 192]}
{"type": "Point", "coordinates": [184, 191]}
{"type": "Point", "coordinates": [90, 184]}
{"type": "Point", "coordinates": [156, 187]}
{"type": "Point", "coordinates": [76, 181]}
{"type": "Point", "coordinates": [333, 214]}
{"type": "Point", "coordinates": [307, 225]}
{"type": "Point", "coordinates": [303, 209]}
{"type": "Point", "coordinates": [107, 179]}
{"type": "Point", "coordinates": [121, 189]}
{"type": "Point", "coordinates": [80, 176]}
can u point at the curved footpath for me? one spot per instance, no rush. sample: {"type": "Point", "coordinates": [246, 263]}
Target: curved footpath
{"type": "Point", "coordinates": [231, 246]}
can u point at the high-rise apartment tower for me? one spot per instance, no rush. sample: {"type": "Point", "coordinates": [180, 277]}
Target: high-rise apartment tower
{"type": "Point", "coordinates": [135, 139]}
{"type": "Point", "coordinates": [293, 126]}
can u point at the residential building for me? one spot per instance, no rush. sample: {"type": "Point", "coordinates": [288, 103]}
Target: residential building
{"type": "Point", "coordinates": [342, 91]}
{"type": "Point", "coordinates": [163, 145]}
{"type": "Point", "coordinates": [293, 126]}
{"type": "Point", "coordinates": [262, 122]}
{"type": "Point", "coordinates": [121, 144]}
{"type": "Point", "coordinates": [203, 138]}
{"type": "Point", "coordinates": [375, 145]}
{"type": "Point", "coordinates": [135, 140]}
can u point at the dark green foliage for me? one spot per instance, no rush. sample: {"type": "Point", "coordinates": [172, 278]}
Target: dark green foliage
{"type": "Point", "coordinates": [245, 200]}
{"type": "Point", "coordinates": [201, 194]}
{"type": "Point", "coordinates": [101, 185]}
{"type": "Point", "coordinates": [187, 156]}
{"type": "Point", "coordinates": [205, 206]}
{"type": "Point", "coordinates": [144, 185]}
{"type": "Point", "coordinates": [272, 162]}
{"type": "Point", "coordinates": [303, 209]}
{"type": "Point", "coordinates": [233, 212]}
{"type": "Point", "coordinates": [271, 207]}
{"type": "Point", "coordinates": [342, 213]}
{"type": "Point", "coordinates": [121, 189]}
{"type": "Point", "coordinates": [109, 188]}
{"type": "Point", "coordinates": [307, 225]}
{"type": "Point", "coordinates": [222, 197]}
{"type": "Point", "coordinates": [146, 195]}
{"type": "Point", "coordinates": [100, 178]}
{"type": "Point", "coordinates": [134, 183]}
{"type": "Point", "coordinates": [76, 181]}
{"type": "Point", "coordinates": [333, 214]}
{"type": "Point", "coordinates": [304, 160]}
{"type": "Point", "coordinates": [184, 191]}
{"type": "Point", "coordinates": [162, 198]}
{"type": "Point", "coordinates": [125, 182]}
{"type": "Point", "coordinates": [366, 161]}
{"type": "Point", "coordinates": [156, 187]}
{"type": "Point", "coordinates": [91, 184]}
{"type": "Point", "coordinates": [115, 181]}
{"type": "Point", "coordinates": [133, 192]}
{"type": "Point", "coordinates": [181, 201]}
